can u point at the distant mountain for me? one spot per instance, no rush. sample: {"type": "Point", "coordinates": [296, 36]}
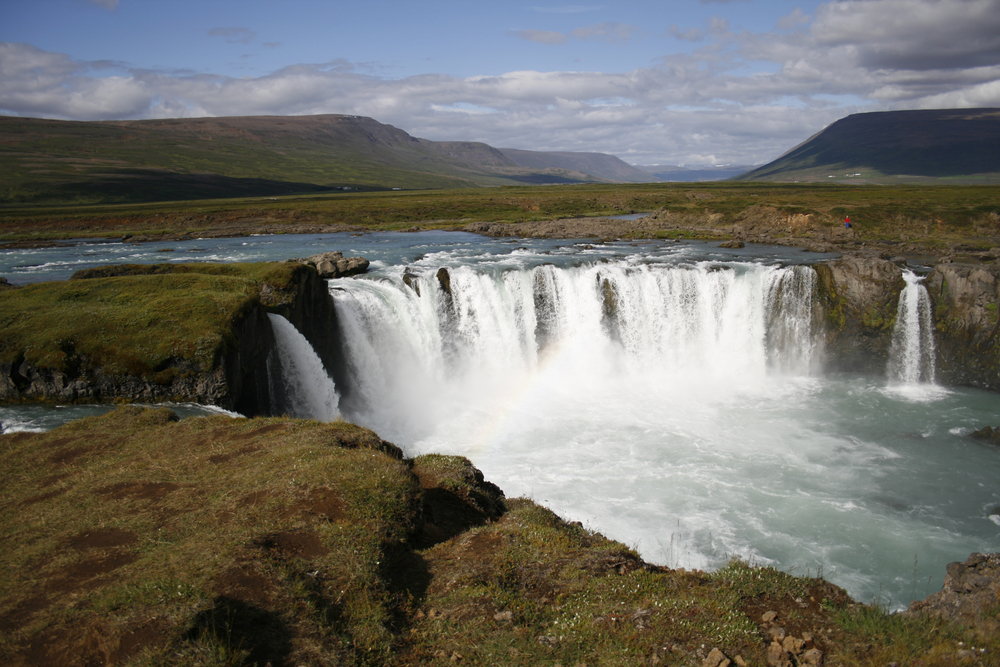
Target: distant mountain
{"type": "Point", "coordinates": [675, 173]}
{"type": "Point", "coordinates": [599, 165]}
{"type": "Point", "coordinates": [951, 145]}
{"type": "Point", "coordinates": [191, 158]}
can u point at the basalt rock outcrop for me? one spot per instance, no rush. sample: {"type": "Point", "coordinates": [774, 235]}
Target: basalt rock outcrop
{"type": "Point", "coordinates": [859, 301]}
{"type": "Point", "coordinates": [965, 298]}
{"type": "Point", "coordinates": [970, 591]}
{"type": "Point", "coordinates": [859, 297]}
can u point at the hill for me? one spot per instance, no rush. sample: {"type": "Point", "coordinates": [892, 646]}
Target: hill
{"type": "Point", "coordinates": [49, 161]}
{"type": "Point", "coordinates": [600, 165]}
{"type": "Point", "coordinates": [946, 145]}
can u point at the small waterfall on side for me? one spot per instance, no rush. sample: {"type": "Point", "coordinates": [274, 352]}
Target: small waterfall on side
{"type": "Point", "coordinates": [299, 385]}
{"type": "Point", "coordinates": [911, 357]}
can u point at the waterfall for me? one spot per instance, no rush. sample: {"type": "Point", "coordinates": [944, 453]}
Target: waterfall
{"type": "Point", "coordinates": [419, 345]}
{"type": "Point", "coordinates": [911, 357]}
{"type": "Point", "coordinates": [299, 385]}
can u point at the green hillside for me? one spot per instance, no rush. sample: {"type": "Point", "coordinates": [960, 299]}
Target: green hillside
{"type": "Point", "coordinates": [48, 161]}
{"type": "Point", "coordinates": [942, 145]}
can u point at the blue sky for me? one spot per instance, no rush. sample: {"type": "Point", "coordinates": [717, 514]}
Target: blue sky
{"type": "Point", "coordinates": [692, 82]}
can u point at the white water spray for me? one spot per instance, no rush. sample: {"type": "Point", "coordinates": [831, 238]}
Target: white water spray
{"type": "Point", "coordinates": [911, 357]}
{"type": "Point", "coordinates": [418, 349]}
{"type": "Point", "coordinates": [299, 385]}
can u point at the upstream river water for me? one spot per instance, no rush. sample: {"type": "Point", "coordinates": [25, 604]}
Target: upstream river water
{"type": "Point", "coordinates": [669, 395]}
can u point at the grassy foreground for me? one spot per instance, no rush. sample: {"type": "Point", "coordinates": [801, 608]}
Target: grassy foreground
{"type": "Point", "coordinates": [137, 539]}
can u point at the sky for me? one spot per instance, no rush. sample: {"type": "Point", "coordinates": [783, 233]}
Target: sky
{"type": "Point", "coordinates": [692, 82]}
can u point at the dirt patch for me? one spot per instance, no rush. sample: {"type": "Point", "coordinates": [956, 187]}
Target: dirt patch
{"type": "Point", "coordinates": [52, 479]}
{"type": "Point", "coordinates": [263, 430]}
{"type": "Point", "coordinates": [255, 499]}
{"type": "Point", "coordinates": [97, 643]}
{"type": "Point", "coordinates": [71, 580]}
{"type": "Point", "coordinates": [296, 544]}
{"type": "Point", "coordinates": [242, 582]}
{"type": "Point", "coordinates": [803, 617]}
{"type": "Point", "coordinates": [102, 538]}
{"type": "Point", "coordinates": [223, 458]}
{"type": "Point", "coordinates": [140, 490]}
{"type": "Point", "coordinates": [42, 497]}
{"type": "Point", "coordinates": [323, 503]}
{"type": "Point", "coordinates": [62, 458]}
{"type": "Point", "coordinates": [86, 570]}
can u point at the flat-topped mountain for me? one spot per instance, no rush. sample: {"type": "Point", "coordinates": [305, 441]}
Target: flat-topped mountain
{"type": "Point", "coordinates": [191, 158]}
{"type": "Point", "coordinates": [954, 145]}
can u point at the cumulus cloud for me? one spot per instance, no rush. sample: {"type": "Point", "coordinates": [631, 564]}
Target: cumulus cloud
{"type": "Point", "coordinates": [913, 34]}
{"type": "Point", "coordinates": [793, 20]}
{"type": "Point", "coordinates": [738, 97]}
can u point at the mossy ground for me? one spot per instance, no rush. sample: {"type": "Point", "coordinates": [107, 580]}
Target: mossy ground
{"type": "Point", "coordinates": [134, 323]}
{"type": "Point", "coordinates": [136, 539]}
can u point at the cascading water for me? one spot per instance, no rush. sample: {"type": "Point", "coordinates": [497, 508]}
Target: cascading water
{"type": "Point", "coordinates": [299, 385]}
{"type": "Point", "coordinates": [416, 346]}
{"type": "Point", "coordinates": [911, 357]}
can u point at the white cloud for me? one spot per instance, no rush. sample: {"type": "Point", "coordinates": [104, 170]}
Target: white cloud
{"type": "Point", "coordinates": [737, 98]}
{"type": "Point", "coordinates": [793, 20]}
{"type": "Point", "coordinates": [913, 34]}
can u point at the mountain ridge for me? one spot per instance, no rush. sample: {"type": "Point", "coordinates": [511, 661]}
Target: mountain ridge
{"type": "Point", "coordinates": [923, 145]}
{"type": "Point", "coordinates": [161, 159]}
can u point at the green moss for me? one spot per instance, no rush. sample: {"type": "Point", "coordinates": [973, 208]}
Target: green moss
{"type": "Point", "coordinates": [141, 322]}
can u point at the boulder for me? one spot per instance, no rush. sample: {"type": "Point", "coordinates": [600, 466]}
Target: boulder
{"type": "Point", "coordinates": [987, 434]}
{"type": "Point", "coordinates": [970, 591]}
{"type": "Point", "coordinates": [334, 265]}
